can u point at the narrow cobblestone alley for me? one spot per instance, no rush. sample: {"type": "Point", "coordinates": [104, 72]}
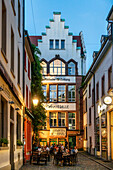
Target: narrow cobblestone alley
{"type": "Point", "coordinates": [83, 163]}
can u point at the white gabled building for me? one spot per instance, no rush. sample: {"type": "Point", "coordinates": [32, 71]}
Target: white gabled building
{"type": "Point", "coordinates": [98, 84]}
{"type": "Point", "coordinates": [64, 63]}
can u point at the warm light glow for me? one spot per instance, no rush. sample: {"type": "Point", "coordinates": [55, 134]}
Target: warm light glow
{"type": "Point", "coordinates": [35, 101]}
{"type": "Point", "coordinates": [107, 100]}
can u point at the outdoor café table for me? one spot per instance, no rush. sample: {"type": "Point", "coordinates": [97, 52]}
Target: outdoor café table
{"type": "Point", "coordinates": [66, 158]}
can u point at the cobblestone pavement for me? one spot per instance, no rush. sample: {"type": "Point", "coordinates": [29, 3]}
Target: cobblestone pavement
{"type": "Point", "coordinates": [83, 163]}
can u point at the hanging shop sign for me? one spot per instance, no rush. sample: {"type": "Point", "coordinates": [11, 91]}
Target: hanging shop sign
{"type": "Point", "coordinates": [101, 108]}
{"type": "Point", "coordinates": [63, 79]}
{"type": "Point", "coordinates": [107, 100]}
{"type": "Point", "coordinates": [60, 106]}
{"type": "Point", "coordinates": [57, 132]}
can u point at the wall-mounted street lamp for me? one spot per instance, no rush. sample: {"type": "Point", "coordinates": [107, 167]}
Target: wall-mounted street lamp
{"type": "Point", "coordinates": [35, 101]}
{"type": "Point", "coordinates": [17, 109]}
{"type": "Point", "coordinates": [11, 102]}
{"type": "Point", "coordinates": [107, 100]}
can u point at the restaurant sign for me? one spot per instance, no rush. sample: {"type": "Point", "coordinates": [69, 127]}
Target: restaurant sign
{"type": "Point", "coordinates": [57, 132]}
{"type": "Point", "coordinates": [60, 106]}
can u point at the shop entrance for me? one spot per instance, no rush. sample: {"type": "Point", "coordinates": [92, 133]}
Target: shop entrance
{"type": "Point", "coordinates": [53, 141]}
{"type": "Point", "coordinates": [43, 142]}
{"type": "Point", "coordinates": [72, 141]}
{"type": "Point", "coordinates": [112, 135]}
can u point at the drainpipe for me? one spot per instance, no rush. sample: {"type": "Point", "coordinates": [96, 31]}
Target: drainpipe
{"type": "Point", "coordinates": [23, 70]}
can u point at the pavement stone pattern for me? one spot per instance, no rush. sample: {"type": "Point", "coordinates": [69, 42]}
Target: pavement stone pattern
{"type": "Point", "coordinates": [84, 163]}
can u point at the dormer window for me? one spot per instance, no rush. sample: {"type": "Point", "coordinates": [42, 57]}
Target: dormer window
{"type": "Point", "coordinates": [44, 68]}
{"type": "Point", "coordinates": [57, 67]}
{"type": "Point", "coordinates": [71, 68]}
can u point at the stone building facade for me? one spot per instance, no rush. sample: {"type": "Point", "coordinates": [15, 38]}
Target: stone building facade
{"type": "Point", "coordinates": [63, 64]}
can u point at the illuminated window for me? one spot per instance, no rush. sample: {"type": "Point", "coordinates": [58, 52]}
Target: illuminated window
{"type": "Point", "coordinates": [44, 68]}
{"type": "Point", "coordinates": [61, 119]}
{"type": "Point", "coordinates": [53, 119]}
{"type": "Point", "coordinates": [57, 67]}
{"type": "Point", "coordinates": [71, 120]}
{"type": "Point", "coordinates": [71, 68]}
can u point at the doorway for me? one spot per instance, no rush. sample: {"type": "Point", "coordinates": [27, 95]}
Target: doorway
{"type": "Point", "coordinates": [72, 141]}
{"type": "Point", "coordinates": [12, 145]}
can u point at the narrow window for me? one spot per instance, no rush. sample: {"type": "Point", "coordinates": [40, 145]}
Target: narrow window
{"type": "Point", "coordinates": [71, 93]}
{"type": "Point", "coordinates": [12, 50]}
{"type": "Point", "coordinates": [103, 85]}
{"type": "Point", "coordinates": [62, 44]}
{"type": "Point", "coordinates": [71, 68]}
{"type": "Point", "coordinates": [19, 16]}
{"type": "Point", "coordinates": [29, 100]}
{"type": "Point", "coordinates": [71, 121]}
{"type": "Point", "coordinates": [51, 44]}
{"type": "Point", "coordinates": [25, 60]}
{"type": "Point", "coordinates": [61, 93]}
{"type": "Point", "coordinates": [56, 44]}
{"type": "Point", "coordinates": [90, 90]}
{"type": "Point", "coordinates": [93, 97]}
{"type": "Point", "coordinates": [44, 87]}
{"type": "Point", "coordinates": [3, 28]}
{"type": "Point", "coordinates": [110, 78]}
{"type": "Point", "coordinates": [44, 68]}
{"type": "Point", "coordinates": [61, 119]}
{"type": "Point", "coordinates": [28, 69]}
{"type": "Point", "coordinates": [97, 91]}
{"type": "Point", "coordinates": [26, 95]}
{"type": "Point", "coordinates": [18, 126]}
{"type": "Point", "coordinates": [86, 104]}
{"type": "Point", "coordinates": [53, 119]}
{"type": "Point", "coordinates": [18, 67]}
{"type": "Point", "coordinates": [90, 116]}
{"type": "Point", "coordinates": [53, 93]}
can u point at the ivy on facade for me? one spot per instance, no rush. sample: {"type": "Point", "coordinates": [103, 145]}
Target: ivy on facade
{"type": "Point", "coordinates": [39, 112]}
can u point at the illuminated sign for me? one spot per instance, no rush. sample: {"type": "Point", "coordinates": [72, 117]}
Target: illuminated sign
{"type": "Point", "coordinates": [65, 79]}
{"type": "Point", "coordinates": [101, 108]}
{"type": "Point", "coordinates": [60, 106]}
{"type": "Point", "coordinates": [57, 132]}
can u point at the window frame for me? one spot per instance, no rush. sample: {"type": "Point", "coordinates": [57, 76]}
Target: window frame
{"type": "Point", "coordinates": [110, 77]}
{"type": "Point", "coordinates": [71, 93]}
{"type": "Point", "coordinates": [61, 93]}
{"type": "Point", "coordinates": [53, 94]}
{"type": "Point", "coordinates": [51, 41]}
{"type": "Point", "coordinates": [73, 72]}
{"type": "Point", "coordinates": [56, 45]}
{"type": "Point", "coordinates": [61, 118]}
{"type": "Point", "coordinates": [103, 85]}
{"type": "Point", "coordinates": [53, 66]}
{"type": "Point", "coordinates": [53, 118]}
{"type": "Point", "coordinates": [72, 118]}
{"type": "Point", "coordinates": [63, 44]}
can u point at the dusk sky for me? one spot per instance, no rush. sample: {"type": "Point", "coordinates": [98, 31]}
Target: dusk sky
{"type": "Point", "coordinates": [88, 16]}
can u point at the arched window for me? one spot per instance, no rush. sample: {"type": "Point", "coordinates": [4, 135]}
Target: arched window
{"type": "Point", "coordinates": [57, 67]}
{"type": "Point", "coordinates": [71, 68]}
{"type": "Point", "coordinates": [44, 68]}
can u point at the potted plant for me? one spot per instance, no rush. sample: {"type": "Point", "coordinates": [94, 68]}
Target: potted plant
{"type": "Point", "coordinates": [3, 142]}
{"type": "Point", "coordinates": [19, 143]}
